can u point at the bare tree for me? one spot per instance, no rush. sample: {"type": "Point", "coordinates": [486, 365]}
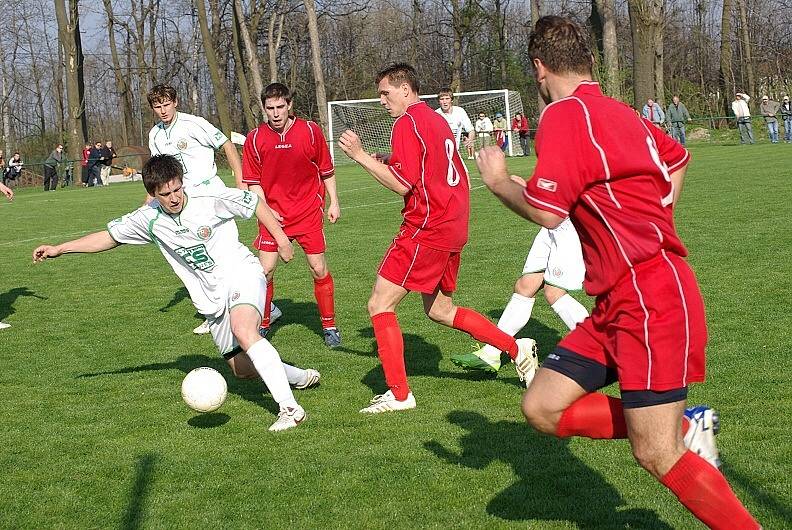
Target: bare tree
{"type": "Point", "coordinates": [127, 114]}
{"type": "Point", "coordinates": [646, 23]}
{"type": "Point", "coordinates": [69, 32]}
{"type": "Point", "coordinates": [603, 19]}
{"type": "Point", "coordinates": [214, 70]}
{"type": "Point", "coordinates": [726, 77]}
{"type": "Point", "coordinates": [239, 67]}
{"type": "Point", "coordinates": [316, 60]}
{"type": "Point", "coordinates": [250, 48]}
{"type": "Point", "coordinates": [747, 55]}
{"type": "Point", "coordinates": [274, 38]}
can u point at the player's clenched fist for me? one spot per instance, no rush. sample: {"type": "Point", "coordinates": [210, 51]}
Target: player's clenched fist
{"type": "Point", "coordinates": [45, 251]}
{"type": "Point", "coordinates": [351, 145]}
{"type": "Point", "coordinates": [285, 250]}
{"type": "Point", "coordinates": [491, 163]}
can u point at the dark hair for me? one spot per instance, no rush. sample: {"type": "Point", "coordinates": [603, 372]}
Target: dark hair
{"type": "Point", "coordinates": [561, 45]}
{"type": "Point", "coordinates": [159, 170]}
{"type": "Point", "coordinates": [399, 73]}
{"type": "Point", "coordinates": [161, 93]}
{"type": "Point", "coordinates": [276, 90]}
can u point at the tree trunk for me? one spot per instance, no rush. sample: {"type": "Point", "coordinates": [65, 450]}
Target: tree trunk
{"type": "Point", "coordinates": [316, 59]}
{"type": "Point", "coordinates": [747, 53]}
{"type": "Point", "coordinates": [214, 70]}
{"type": "Point", "coordinates": [239, 64]}
{"type": "Point", "coordinates": [415, 32]}
{"type": "Point", "coordinates": [252, 57]}
{"type": "Point", "coordinates": [646, 23]}
{"type": "Point", "coordinates": [536, 12]}
{"type": "Point", "coordinates": [69, 33]}
{"type": "Point", "coordinates": [726, 74]}
{"type": "Point", "coordinates": [659, 71]}
{"type": "Point", "coordinates": [499, 23]}
{"type": "Point", "coordinates": [124, 96]}
{"type": "Point", "coordinates": [274, 42]}
{"type": "Point", "coordinates": [604, 13]}
{"type": "Point", "coordinates": [36, 80]}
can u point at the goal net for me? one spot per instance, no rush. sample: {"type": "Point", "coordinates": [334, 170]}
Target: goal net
{"type": "Point", "coordinates": [373, 124]}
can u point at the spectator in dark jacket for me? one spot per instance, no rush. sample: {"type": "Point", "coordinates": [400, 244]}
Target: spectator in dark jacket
{"type": "Point", "coordinates": [86, 153]}
{"type": "Point", "coordinates": [109, 153]}
{"type": "Point", "coordinates": [95, 158]}
{"type": "Point", "coordinates": [14, 168]}
{"type": "Point", "coordinates": [51, 168]}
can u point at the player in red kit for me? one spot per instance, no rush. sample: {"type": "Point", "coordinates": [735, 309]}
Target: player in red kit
{"type": "Point", "coordinates": [618, 177]}
{"type": "Point", "coordinates": [424, 167]}
{"type": "Point", "coordinates": [287, 161]}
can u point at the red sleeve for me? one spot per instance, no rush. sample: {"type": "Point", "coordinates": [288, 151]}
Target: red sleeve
{"type": "Point", "coordinates": [406, 152]}
{"type": "Point", "coordinates": [322, 156]}
{"type": "Point", "coordinates": [671, 152]}
{"type": "Point", "coordinates": [567, 159]}
{"type": "Point", "coordinates": [251, 160]}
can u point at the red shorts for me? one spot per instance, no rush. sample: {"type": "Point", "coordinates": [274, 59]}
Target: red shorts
{"type": "Point", "coordinates": [419, 268]}
{"type": "Point", "coordinates": [650, 327]}
{"type": "Point", "coordinates": [312, 243]}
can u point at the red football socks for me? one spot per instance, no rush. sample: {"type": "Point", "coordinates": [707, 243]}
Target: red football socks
{"type": "Point", "coordinates": [265, 320]}
{"type": "Point", "coordinates": [594, 415]}
{"type": "Point", "coordinates": [323, 291]}
{"type": "Point", "coordinates": [483, 330]}
{"type": "Point", "coordinates": [703, 490]}
{"type": "Point", "coordinates": [390, 348]}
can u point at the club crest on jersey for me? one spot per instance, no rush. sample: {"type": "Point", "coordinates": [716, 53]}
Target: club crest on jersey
{"type": "Point", "coordinates": [181, 144]}
{"type": "Point", "coordinates": [547, 185]}
{"type": "Point", "coordinates": [235, 296]}
{"type": "Point", "coordinates": [204, 232]}
{"type": "Point", "coordinates": [557, 272]}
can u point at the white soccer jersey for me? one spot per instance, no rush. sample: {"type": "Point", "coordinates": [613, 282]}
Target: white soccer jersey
{"type": "Point", "coordinates": [458, 120]}
{"type": "Point", "coordinates": [193, 141]}
{"type": "Point", "coordinates": [201, 243]}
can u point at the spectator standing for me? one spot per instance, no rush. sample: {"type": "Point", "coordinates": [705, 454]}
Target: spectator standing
{"type": "Point", "coordinates": [95, 158]}
{"type": "Point", "coordinates": [14, 168]}
{"type": "Point", "coordinates": [742, 113]}
{"type": "Point", "coordinates": [786, 115]}
{"type": "Point", "coordinates": [653, 112]}
{"type": "Point", "coordinates": [676, 116]}
{"type": "Point", "coordinates": [500, 126]}
{"type": "Point", "coordinates": [51, 168]}
{"type": "Point", "coordinates": [457, 119]}
{"type": "Point", "coordinates": [86, 152]}
{"type": "Point", "coordinates": [769, 109]}
{"type": "Point", "coordinates": [9, 193]}
{"type": "Point", "coordinates": [484, 129]}
{"type": "Point", "coordinates": [108, 153]}
{"type": "Point", "coordinates": [520, 124]}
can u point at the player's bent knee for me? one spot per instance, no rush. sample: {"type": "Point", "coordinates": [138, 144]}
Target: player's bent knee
{"type": "Point", "coordinates": [537, 415]}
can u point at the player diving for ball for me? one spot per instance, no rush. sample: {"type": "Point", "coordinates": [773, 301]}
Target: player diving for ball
{"type": "Point", "coordinates": [196, 233]}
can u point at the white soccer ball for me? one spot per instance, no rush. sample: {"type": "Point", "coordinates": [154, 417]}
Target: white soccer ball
{"type": "Point", "coordinates": [204, 389]}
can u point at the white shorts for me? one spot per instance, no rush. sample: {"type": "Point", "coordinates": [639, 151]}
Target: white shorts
{"type": "Point", "coordinates": [557, 253]}
{"type": "Point", "coordinates": [247, 287]}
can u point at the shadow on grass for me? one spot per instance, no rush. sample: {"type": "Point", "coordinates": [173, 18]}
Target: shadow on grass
{"type": "Point", "coordinates": [180, 294]}
{"type": "Point", "coordinates": [248, 389]}
{"type": "Point", "coordinates": [208, 421]}
{"type": "Point", "coordinates": [8, 298]}
{"type": "Point", "coordinates": [136, 511]}
{"type": "Point", "coordinates": [546, 337]}
{"type": "Point", "coordinates": [767, 501]}
{"type": "Point", "coordinates": [303, 313]}
{"type": "Point", "coordinates": [553, 484]}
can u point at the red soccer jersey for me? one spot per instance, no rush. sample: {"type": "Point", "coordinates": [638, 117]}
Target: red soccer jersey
{"type": "Point", "coordinates": [608, 170]}
{"type": "Point", "coordinates": [290, 167]}
{"type": "Point", "coordinates": [424, 158]}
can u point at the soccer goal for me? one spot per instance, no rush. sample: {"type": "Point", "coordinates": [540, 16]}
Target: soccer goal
{"type": "Point", "coordinates": [373, 124]}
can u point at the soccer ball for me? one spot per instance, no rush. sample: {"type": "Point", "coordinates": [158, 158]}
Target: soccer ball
{"type": "Point", "coordinates": [204, 389]}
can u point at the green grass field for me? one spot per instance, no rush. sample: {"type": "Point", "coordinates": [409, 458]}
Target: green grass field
{"type": "Point", "coordinates": [95, 434]}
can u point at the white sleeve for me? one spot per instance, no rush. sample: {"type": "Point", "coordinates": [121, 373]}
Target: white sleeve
{"type": "Point", "coordinates": [207, 134]}
{"type": "Point", "coordinates": [467, 126]}
{"type": "Point", "coordinates": [131, 229]}
{"type": "Point", "coordinates": [233, 202]}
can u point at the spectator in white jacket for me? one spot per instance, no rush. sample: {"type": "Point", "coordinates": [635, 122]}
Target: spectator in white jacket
{"type": "Point", "coordinates": [742, 113]}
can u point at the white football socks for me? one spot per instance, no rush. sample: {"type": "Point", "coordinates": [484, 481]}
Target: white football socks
{"type": "Point", "coordinates": [515, 316]}
{"type": "Point", "coordinates": [570, 310]}
{"type": "Point", "coordinates": [272, 371]}
{"type": "Point", "coordinates": [293, 374]}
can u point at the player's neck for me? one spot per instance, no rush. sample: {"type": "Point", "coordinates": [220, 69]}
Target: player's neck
{"type": "Point", "coordinates": [564, 86]}
{"type": "Point", "coordinates": [285, 125]}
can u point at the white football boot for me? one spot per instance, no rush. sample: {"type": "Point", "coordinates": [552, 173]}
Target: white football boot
{"type": "Point", "coordinates": [527, 360]}
{"type": "Point", "coordinates": [387, 402]}
{"type": "Point", "coordinates": [288, 418]}
{"type": "Point", "coordinates": [700, 436]}
{"type": "Point", "coordinates": [311, 379]}
{"type": "Point", "coordinates": [203, 329]}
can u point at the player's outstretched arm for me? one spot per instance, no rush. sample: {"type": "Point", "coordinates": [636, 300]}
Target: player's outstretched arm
{"type": "Point", "coordinates": [491, 163]}
{"type": "Point", "coordinates": [351, 145]}
{"type": "Point", "coordinates": [678, 180]}
{"type": "Point", "coordinates": [333, 209]}
{"type": "Point", "coordinates": [265, 217]}
{"type": "Point", "coordinates": [235, 163]}
{"type": "Point", "coordinates": [92, 243]}
{"type": "Point", "coordinates": [8, 192]}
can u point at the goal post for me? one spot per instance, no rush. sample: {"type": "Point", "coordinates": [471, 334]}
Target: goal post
{"type": "Point", "coordinates": [373, 124]}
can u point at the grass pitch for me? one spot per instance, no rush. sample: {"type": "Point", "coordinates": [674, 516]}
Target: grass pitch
{"type": "Point", "coordinates": [95, 434]}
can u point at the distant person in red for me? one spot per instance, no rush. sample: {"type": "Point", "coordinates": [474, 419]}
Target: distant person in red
{"type": "Point", "coordinates": [287, 162]}
{"type": "Point", "coordinates": [520, 126]}
{"type": "Point", "coordinates": [86, 153]}
{"type": "Point", "coordinates": [618, 177]}
{"type": "Point", "coordinates": [424, 167]}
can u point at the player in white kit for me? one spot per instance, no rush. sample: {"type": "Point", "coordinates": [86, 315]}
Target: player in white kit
{"type": "Point", "coordinates": [554, 262]}
{"type": "Point", "coordinates": [194, 228]}
{"type": "Point", "coordinates": [457, 119]}
{"type": "Point", "coordinates": [193, 141]}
